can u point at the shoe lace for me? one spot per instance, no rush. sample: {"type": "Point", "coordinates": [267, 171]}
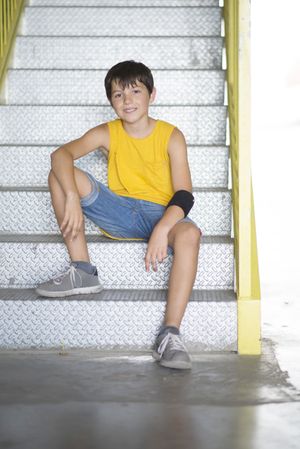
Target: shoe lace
{"type": "Point", "coordinates": [174, 342]}
{"type": "Point", "coordinates": [72, 271]}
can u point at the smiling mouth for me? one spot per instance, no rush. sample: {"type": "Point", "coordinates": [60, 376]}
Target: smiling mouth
{"type": "Point", "coordinates": [129, 110]}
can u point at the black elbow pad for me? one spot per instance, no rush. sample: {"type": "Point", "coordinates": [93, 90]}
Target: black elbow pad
{"type": "Point", "coordinates": [183, 199]}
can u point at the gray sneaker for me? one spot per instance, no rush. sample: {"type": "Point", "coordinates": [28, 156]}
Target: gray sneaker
{"type": "Point", "coordinates": [170, 351]}
{"type": "Point", "coordinates": [73, 282]}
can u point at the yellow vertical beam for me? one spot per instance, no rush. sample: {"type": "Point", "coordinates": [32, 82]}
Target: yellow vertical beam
{"type": "Point", "coordinates": [249, 320]}
{"type": "Point", "coordinates": [244, 145]}
{"type": "Point", "coordinates": [237, 36]}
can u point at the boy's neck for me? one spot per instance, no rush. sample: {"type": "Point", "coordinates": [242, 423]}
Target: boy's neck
{"type": "Point", "coordinates": [141, 128]}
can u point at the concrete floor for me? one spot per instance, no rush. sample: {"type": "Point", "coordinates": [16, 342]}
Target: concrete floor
{"type": "Point", "coordinates": [90, 399]}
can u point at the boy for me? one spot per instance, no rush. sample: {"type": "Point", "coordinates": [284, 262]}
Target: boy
{"type": "Point", "coordinates": [148, 198]}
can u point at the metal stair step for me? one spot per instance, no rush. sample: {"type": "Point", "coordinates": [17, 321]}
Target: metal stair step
{"type": "Point", "coordinates": [114, 319]}
{"type": "Point", "coordinates": [86, 87]}
{"type": "Point", "coordinates": [29, 211]}
{"type": "Point", "coordinates": [28, 260]}
{"type": "Point", "coordinates": [56, 125]}
{"type": "Point", "coordinates": [46, 52]}
{"type": "Point", "coordinates": [127, 3]}
{"type": "Point", "coordinates": [122, 21]}
{"type": "Point", "coordinates": [29, 166]}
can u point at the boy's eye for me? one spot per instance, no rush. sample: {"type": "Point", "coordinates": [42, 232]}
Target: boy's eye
{"type": "Point", "coordinates": [118, 95]}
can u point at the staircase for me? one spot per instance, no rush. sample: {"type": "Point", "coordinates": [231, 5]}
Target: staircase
{"type": "Point", "coordinates": [54, 93]}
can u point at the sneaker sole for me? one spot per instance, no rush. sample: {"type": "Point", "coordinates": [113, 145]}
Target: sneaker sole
{"type": "Point", "coordinates": [75, 291]}
{"type": "Point", "coordinates": [155, 355]}
{"type": "Point", "coordinates": [176, 365]}
{"type": "Point", "coordinates": [171, 364]}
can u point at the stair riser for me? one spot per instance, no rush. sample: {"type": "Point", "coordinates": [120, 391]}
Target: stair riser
{"type": "Point", "coordinates": [29, 166]}
{"type": "Point", "coordinates": [120, 265]}
{"type": "Point", "coordinates": [86, 87]}
{"type": "Point", "coordinates": [32, 213]}
{"type": "Point", "coordinates": [206, 326]}
{"type": "Point", "coordinates": [56, 125]}
{"type": "Point", "coordinates": [134, 21]}
{"type": "Point", "coordinates": [104, 52]}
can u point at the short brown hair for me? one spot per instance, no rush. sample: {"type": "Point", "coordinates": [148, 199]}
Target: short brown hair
{"type": "Point", "coordinates": [127, 73]}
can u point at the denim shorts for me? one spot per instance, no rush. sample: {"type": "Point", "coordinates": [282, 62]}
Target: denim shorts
{"type": "Point", "coordinates": [121, 217]}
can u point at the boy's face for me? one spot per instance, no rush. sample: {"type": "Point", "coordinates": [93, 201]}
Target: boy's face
{"type": "Point", "coordinates": [132, 102]}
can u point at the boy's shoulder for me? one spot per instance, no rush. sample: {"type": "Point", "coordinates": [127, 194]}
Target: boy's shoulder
{"type": "Point", "coordinates": [169, 129]}
{"type": "Point", "coordinates": [166, 124]}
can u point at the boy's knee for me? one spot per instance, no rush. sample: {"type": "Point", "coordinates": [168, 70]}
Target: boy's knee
{"type": "Point", "coordinates": [190, 233]}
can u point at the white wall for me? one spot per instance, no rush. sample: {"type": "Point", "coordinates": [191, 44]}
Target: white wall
{"type": "Point", "coordinates": [275, 38]}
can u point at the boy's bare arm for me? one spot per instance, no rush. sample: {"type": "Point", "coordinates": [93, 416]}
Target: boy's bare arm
{"type": "Point", "coordinates": [181, 179]}
{"type": "Point", "coordinates": [62, 163]}
{"type": "Point", "coordinates": [62, 159]}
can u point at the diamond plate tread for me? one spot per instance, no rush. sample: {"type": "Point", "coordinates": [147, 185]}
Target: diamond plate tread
{"type": "Point", "coordinates": [207, 326]}
{"type": "Point", "coordinates": [31, 212]}
{"type": "Point", "coordinates": [90, 238]}
{"type": "Point", "coordinates": [28, 294]}
{"type": "Point", "coordinates": [29, 166]}
{"type": "Point", "coordinates": [123, 3]}
{"type": "Point", "coordinates": [121, 21]}
{"type": "Point", "coordinates": [86, 87]}
{"type": "Point", "coordinates": [57, 125]}
{"type": "Point", "coordinates": [103, 52]}
{"type": "Point", "coordinates": [29, 260]}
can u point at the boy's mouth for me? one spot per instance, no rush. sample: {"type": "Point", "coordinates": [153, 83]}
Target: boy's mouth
{"type": "Point", "coordinates": [129, 110]}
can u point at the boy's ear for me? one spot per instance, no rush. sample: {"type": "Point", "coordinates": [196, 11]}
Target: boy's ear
{"type": "Point", "coordinates": [153, 95]}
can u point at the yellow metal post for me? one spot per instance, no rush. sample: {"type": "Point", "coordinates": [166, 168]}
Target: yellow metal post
{"type": "Point", "coordinates": [237, 37]}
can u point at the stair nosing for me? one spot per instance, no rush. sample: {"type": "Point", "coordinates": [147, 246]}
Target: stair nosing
{"type": "Point", "coordinates": [153, 295]}
{"type": "Point", "coordinates": [6, 237]}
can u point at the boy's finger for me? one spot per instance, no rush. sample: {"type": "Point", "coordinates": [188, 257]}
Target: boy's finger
{"type": "Point", "coordinates": [154, 264]}
{"type": "Point", "coordinates": [65, 222]}
{"type": "Point", "coordinates": [147, 260]}
{"type": "Point", "coordinates": [68, 229]}
{"type": "Point", "coordinates": [62, 226]}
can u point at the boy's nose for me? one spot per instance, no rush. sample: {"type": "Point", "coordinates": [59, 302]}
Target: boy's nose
{"type": "Point", "coordinates": [127, 99]}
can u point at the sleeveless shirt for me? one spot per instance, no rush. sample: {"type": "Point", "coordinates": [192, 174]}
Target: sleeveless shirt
{"type": "Point", "coordinates": [140, 167]}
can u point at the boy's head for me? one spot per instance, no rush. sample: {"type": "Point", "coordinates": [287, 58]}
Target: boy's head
{"type": "Point", "coordinates": [127, 73]}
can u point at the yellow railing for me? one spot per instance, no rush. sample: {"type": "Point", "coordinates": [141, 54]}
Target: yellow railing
{"type": "Point", "coordinates": [237, 38]}
{"type": "Point", "coordinates": [10, 12]}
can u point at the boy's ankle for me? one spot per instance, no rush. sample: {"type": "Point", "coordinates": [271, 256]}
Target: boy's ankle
{"type": "Point", "coordinates": [171, 328]}
{"type": "Point", "coordinates": [85, 266]}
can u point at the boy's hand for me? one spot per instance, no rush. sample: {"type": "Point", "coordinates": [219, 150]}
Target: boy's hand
{"type": "Point", "coordinates": [157, 247]}
{"type": "Point", "coordinates": [73, 218]}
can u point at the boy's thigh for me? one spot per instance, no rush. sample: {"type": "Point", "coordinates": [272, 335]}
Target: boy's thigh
{"type": "Point", "coordinates": [121, 217]}
{"type": "Point", "coordinates": [151, 214]}
{"type": "Point", "coordinates": [83, 182]}
{"type": "Point", "coordinates": [115, 215]}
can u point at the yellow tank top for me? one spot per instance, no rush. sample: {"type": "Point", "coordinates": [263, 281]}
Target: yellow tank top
{"type": "Point", "coordinates": [140, 167]}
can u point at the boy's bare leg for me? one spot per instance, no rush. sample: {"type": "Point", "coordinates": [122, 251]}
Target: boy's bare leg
{"type": "Point", "coordinates": [77, 248]}
{"type": "Point", "coordinates": [184, 238]}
